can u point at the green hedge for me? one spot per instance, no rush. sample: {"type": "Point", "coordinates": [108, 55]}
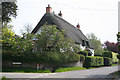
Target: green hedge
{"type": "Point", "coordinates": [84, 52]}
{"type": "Point", "coordinates": [92, 61]}
{"type": "Point", "coordinates": [112, 55]}
{"type": "Point", "coordinates": [118, 56]}
{"type": "Point", "coordinates": [45, 57]}
{"type": "Point", "coordinates": [107, 54]}
{"type": "Point", "coordinates": [82, 58]}
{"type": "Point", "coordinates": [108, 61]}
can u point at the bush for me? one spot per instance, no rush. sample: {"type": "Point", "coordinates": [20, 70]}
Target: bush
{"type": "Point", "coordinates": [98, 55]}
{"type": "Point", "coordinates": [107, 54]}
{"type": "Point", "coordinates": [112, 55]}
{"type": "Point", "coordinates": [84, 52]}
{"type": "Point", "coordinates": [115, 59]}
{"type": "Point", "coordinates": [92, 61]}
{"type": "Point", "coordinates": [57, 58]}
{"type": "Point", "coordinates": [107, 61]}
{"type": "Point", "coordinates": [118, 56]}
{"type": "Point", "coordinates": [82, 58]}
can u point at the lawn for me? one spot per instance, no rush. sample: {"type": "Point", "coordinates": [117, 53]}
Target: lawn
{"type": "Point", "coordinates": [69, 69]}
{"type": "Point", "coordinates": [24, 70]}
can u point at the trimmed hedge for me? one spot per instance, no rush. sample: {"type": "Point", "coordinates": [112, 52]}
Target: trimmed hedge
{"type": "Point", "coordinates": [107, 54]}
{"type": "Point", "coordinates": [84, 52]}
{"type": "Point", "coordinates": [92, 61]}
{"type": "Point", "coordinates": [112, 55]}
{"type": "Point", "coordinates": [82, 58]}
{"type": "Point", "coordinates": [118, 56]}
{"type": "Point", "coordinates": [107, 61]}
{"type": "Point", "coordinates": [46, 57]}
{"type": "Point", "coordinates": [115, 59]}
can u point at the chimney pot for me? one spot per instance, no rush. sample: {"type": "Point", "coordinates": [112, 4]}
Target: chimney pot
{"type": "Point", "coordinates": [78, 26]}
{"type": "Point", "coordinates": [48, 9]}
{"type": "Point", "coordinates": [60, 14]}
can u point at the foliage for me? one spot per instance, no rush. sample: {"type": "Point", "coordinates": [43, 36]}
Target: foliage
{"type": "Point", "coordinates": [23, 70]}
{"type": "Point", "coordinates": [108, 61]}
{"type": "Point", "coordinates": [46, 48]}
{"type": "Point", "coordinates": [112, 55]}
{"type": "Point", "coordinates": [57, 58]}
{"type": "Point", "coordinates": [52, 39]}
{"type": "Point", "coordinates": [111, 46]}
{"type": "Point", "coordinates": [91, 61]}
{"type": "Point", "coordinates": [118, 56]}
{"type": "Point", "coordinates": [107, 54]}
{"type": "Point", "coordinates": [8, 11]}
{"type": "Point", "coordinates": [85, 53]}
{"type": "Point", "coordinates": [82, 58]}
{"type": "Point", "coordinates": [69, 69]}
{"type": "Point", "coordinates": [4, 78]}
{"type": "Point", "coordinates": [115, 59]}
{"type": "Point", "coordinates": [96, 43]}
{"type": "Point", "coordinates": [14, 45]}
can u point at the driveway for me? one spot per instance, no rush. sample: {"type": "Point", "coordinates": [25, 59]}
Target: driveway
{"type": "Point", "coordinates": [89, 73]}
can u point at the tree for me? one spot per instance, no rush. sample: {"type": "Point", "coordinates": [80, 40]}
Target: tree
{"type": "Point", "coordinates": [8, 10]}
{"type": "Point", "coordinates": [52, 39]}
{"type": "Point", "coordinates": [111, 46]}
{"type": "Point", "coordinates": [96, 43]}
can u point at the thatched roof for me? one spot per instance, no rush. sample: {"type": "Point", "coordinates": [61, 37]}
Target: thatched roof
{"type": "Point", "coordinates": [70, 31]}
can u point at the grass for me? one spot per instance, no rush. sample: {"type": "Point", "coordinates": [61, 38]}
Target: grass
{"type": "Point", "coordinates": [24, 70]}
{"type": "Point", "coordinates": [4, 78]}
{"type": "Point", "coordinates": [69, 69]}
{"type": "Point", "coordinates": [114, 64]}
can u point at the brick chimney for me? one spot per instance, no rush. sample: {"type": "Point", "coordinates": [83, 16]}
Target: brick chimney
{"type": "Point", "coordinates": [78, 26]}
{"type": "Point", "coordinates": [48, 9]}
{"type": "Point", "coordinates": [60, 14]}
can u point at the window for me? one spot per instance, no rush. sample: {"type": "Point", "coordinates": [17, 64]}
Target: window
{"type": "Point", "coordinates": [87, 43]}
{"type": "Point", "coordinates": [83, 43]}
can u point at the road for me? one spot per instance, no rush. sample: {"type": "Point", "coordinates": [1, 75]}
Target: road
{"type": "Point", "coordinates": [89, 73]}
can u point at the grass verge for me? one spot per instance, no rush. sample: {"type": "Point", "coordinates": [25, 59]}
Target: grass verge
{"type": "Point", "coordinates": [69, 69]}
{"type": "Point", "coordinates": [24, 70]}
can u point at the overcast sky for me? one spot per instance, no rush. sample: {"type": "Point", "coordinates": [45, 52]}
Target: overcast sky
{"type": "Point", "coordinates": [97, 16]}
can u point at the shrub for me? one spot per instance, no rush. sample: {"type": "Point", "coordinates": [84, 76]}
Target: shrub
{"type": "Point", "coordinates": [107, 61]}
{"type": "Point", "coordinates": [118, 56]}
{"type": "Point", "coordinates": [82, 58]}
{"type": "Point", "coordinates": [107, 54]}
{"type": "Point", "coordinates": [98, 55]}
{"type": "Point", "coordinates": [84, 52]}
{"type": "Point", "coordinates": [56, 57]}
{"type": "Point", "coordinates": [92, 61]}
{"type": "Point", "coordinates": [112, 55]}
{"type": "Point", "coordinates": [115, 59]}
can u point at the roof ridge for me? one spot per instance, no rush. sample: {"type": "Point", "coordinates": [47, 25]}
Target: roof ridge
{"type": "Point", "coordinates": [63, 20]}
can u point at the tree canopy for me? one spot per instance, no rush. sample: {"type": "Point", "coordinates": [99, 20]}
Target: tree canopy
{"type": "Point", "coordinates": [96, 43]}
{"type": "Point", "coordinates": [8, 11]}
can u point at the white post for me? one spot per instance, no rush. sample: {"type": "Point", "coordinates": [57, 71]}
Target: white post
{"type": "Point", "coordinates": [119, 16]}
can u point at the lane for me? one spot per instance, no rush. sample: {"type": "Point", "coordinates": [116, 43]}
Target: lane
{"type": "Point", "coordinates": [89, 73]}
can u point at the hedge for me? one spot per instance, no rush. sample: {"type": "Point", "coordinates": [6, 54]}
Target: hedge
{"type": "Point", "coordinates": [45, 57]}
{"type": "Point", "coordinates": [107, 61]}
{"type": "Point", "coordinates": [107, 54]}
{"type": "Point", "coordinates": [112, 55]}
{"type": "Point", "coordinates": [82, 58]}
{"type": "Point", "coordinates": [92, 61]}
{"type": "Point", "coordinates": [84, 52]}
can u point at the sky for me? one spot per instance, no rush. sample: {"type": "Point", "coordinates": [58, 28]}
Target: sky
{"type": "Point", "coordinates": [94, 16]}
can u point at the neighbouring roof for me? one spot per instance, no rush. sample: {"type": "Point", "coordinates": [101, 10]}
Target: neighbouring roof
{"type": "Point", "coordinates": [70, 31]}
